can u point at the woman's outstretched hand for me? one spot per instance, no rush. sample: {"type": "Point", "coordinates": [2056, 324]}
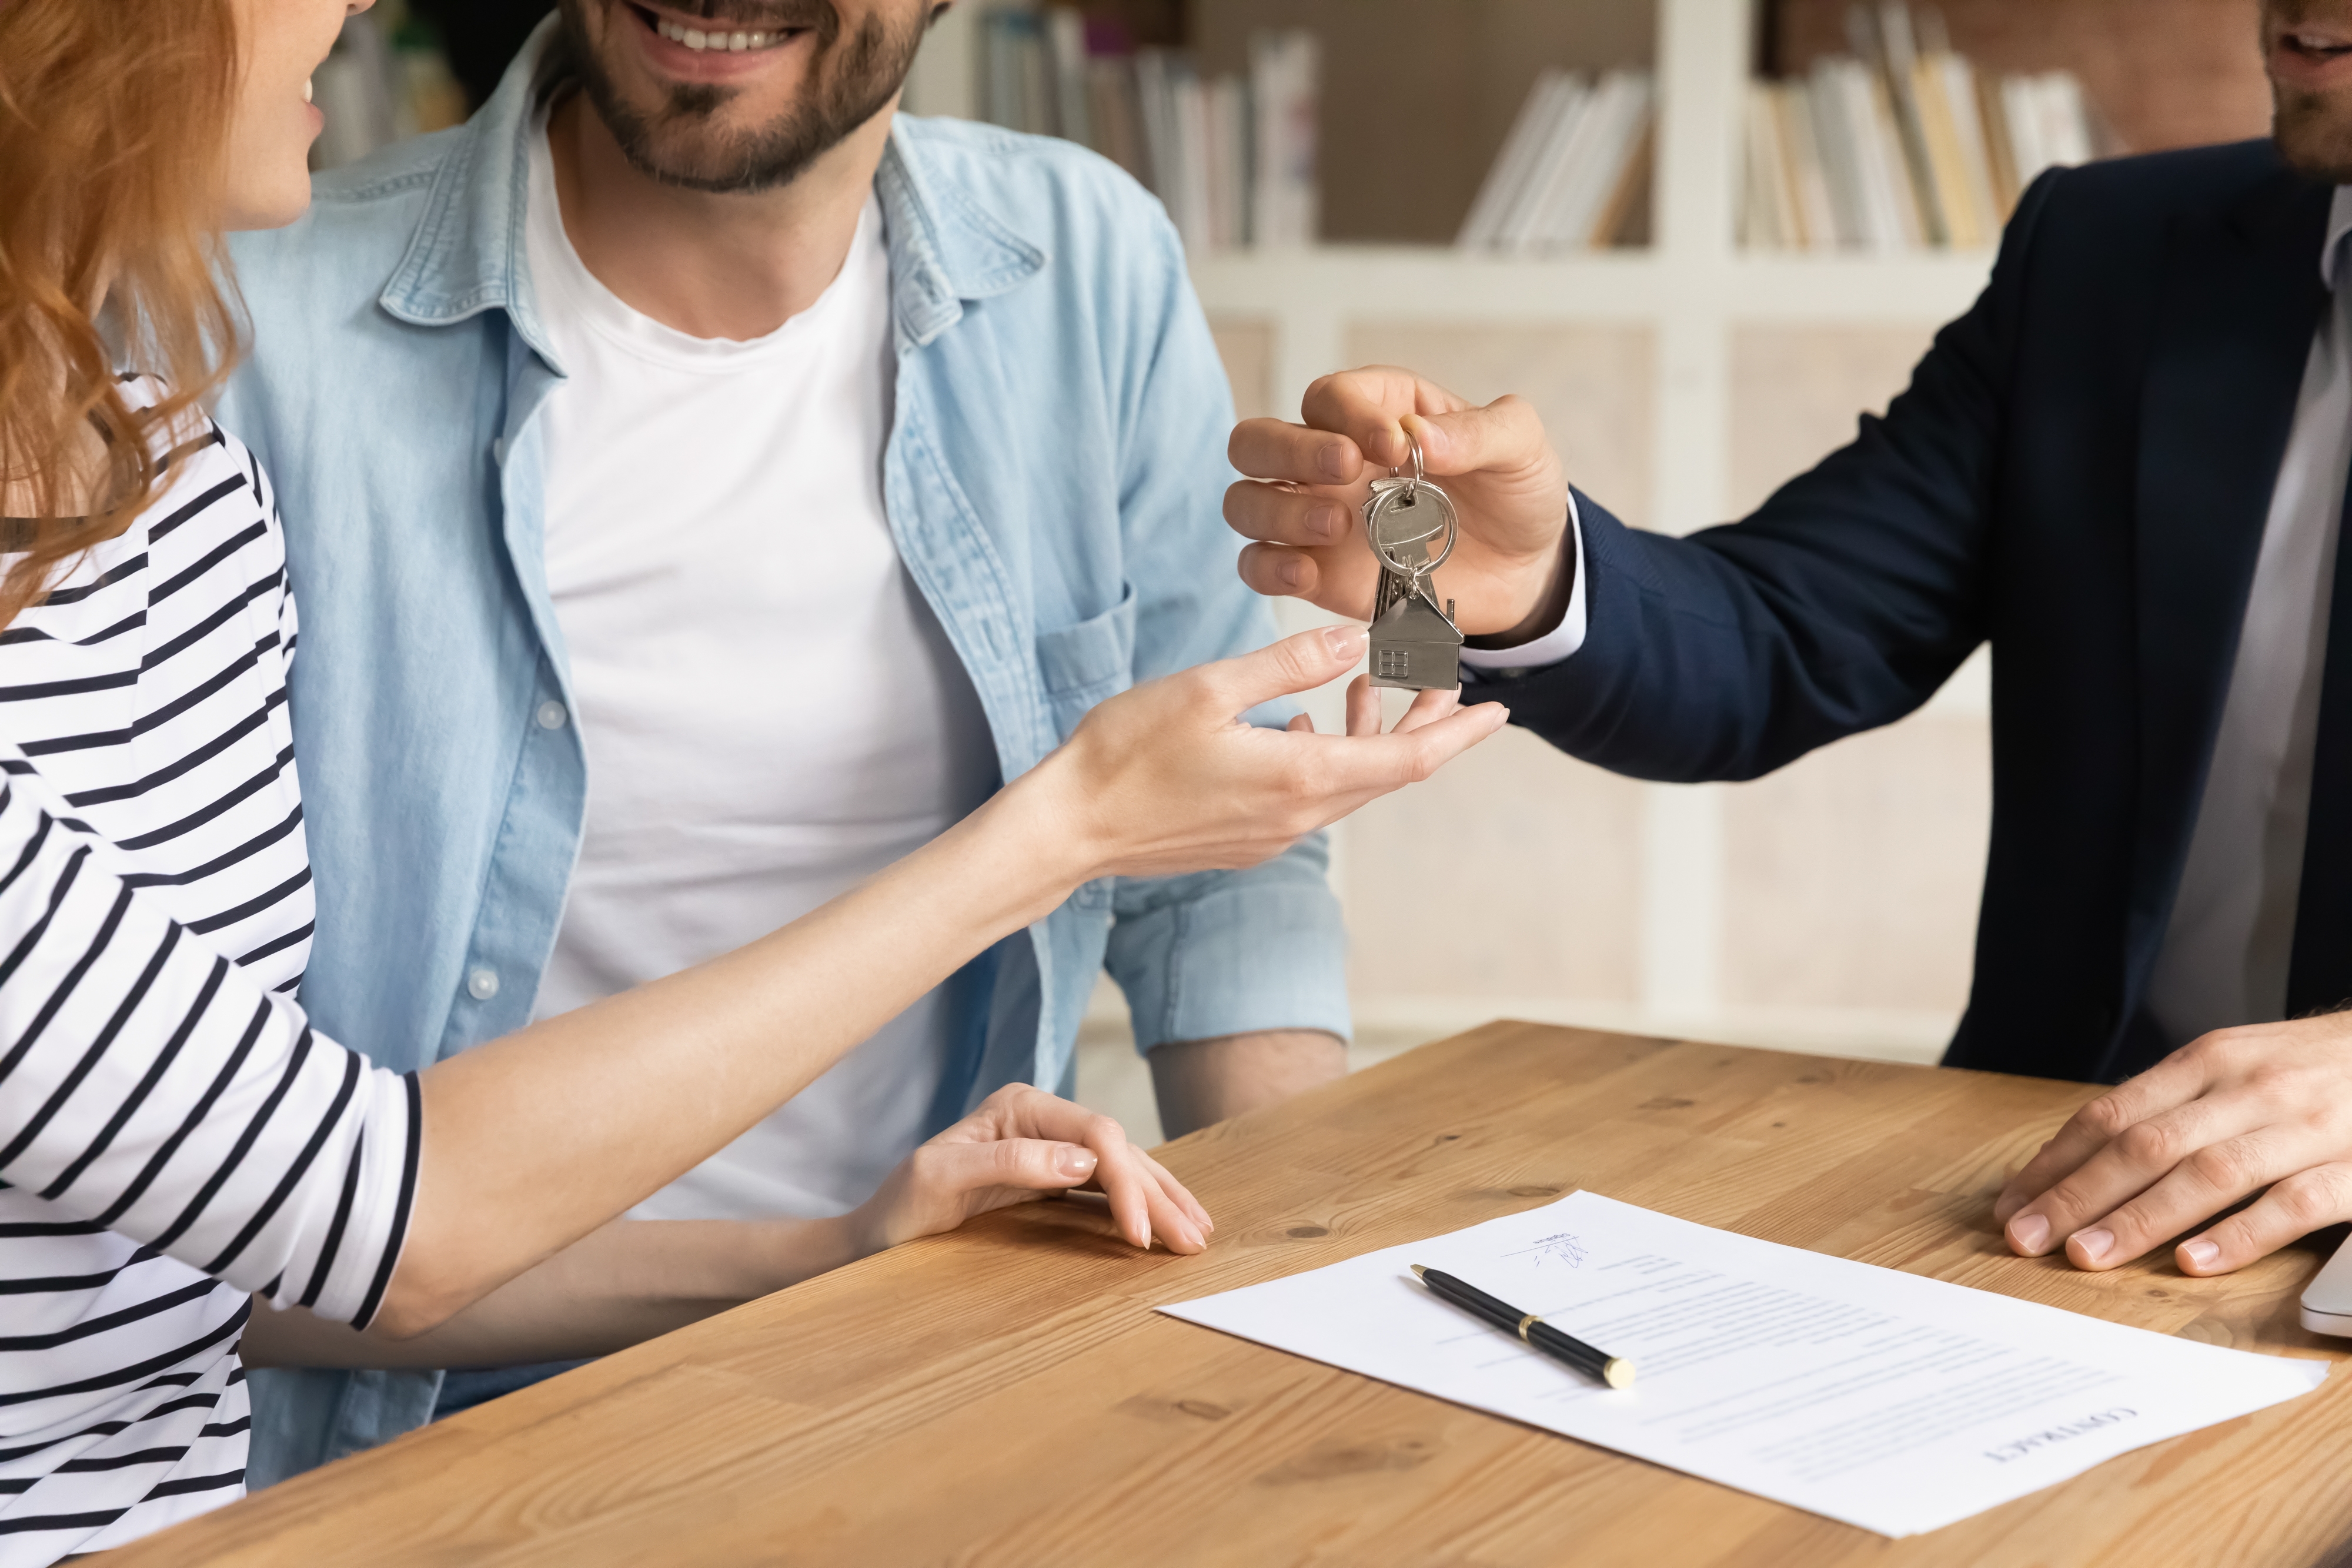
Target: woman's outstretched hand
{"type": "Point", "coordinates": [1023, 1143]}
{"type": "Point", "coordinates": [1167, 777]}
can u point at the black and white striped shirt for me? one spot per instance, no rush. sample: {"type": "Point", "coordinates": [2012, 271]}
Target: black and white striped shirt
{"type": "Point", "coordinates": [172, 1135]}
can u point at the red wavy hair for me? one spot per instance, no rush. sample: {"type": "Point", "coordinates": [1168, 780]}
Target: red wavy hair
{"type": "Point", "coordinates": [114, 120]}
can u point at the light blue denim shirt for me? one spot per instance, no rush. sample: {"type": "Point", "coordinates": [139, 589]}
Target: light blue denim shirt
{"type": "Point", "coordinates": [1052, 476]}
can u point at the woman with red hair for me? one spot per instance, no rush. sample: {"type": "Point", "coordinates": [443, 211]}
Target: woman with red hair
{"type": "Point", "coordinates": [175, 1139]}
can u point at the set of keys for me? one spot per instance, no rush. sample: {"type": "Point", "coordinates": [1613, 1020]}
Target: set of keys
{"type": "Point", "coordinates": [1416, 644]}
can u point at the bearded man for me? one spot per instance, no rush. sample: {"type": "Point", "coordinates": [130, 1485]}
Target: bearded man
{"type": "Point", "coordinates": [707, 486]}
{"type": "Point", "coordinates": [2125, 470]}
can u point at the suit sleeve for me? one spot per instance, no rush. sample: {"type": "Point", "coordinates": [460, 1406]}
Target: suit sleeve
{"type": "Point", "coordinates": [1840, 605]}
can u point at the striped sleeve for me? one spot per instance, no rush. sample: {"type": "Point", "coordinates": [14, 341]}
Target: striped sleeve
{"type": "Point", "coordinates": [152, 1087]}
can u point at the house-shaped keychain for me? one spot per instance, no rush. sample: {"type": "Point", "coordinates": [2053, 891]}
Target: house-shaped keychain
{"type": "Point", "coordinates": [1416, 645]}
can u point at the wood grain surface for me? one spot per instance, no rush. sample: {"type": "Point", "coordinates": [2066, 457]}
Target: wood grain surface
{"type": "Point", "coordinates": [1006, 1395]}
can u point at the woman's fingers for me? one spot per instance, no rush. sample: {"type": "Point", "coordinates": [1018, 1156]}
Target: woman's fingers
{"type": "Point", "coordinates": [1374, 765]}
{"type": "Point", "coordinates": [1429, 707]}
{"type": "Point", "coordinates": [1138, 1205]}
{"type": "Point", "coordinates": [1144, 1208]}
{"type": "Point", "coordinates": [1023, 1138]}
{"type": "Point", "coordinates": [1177, 1193]}
{"type": "Point", "coordinates": [1296, 663]}
{"type": "Point", "coordinates": [2293, 1209]}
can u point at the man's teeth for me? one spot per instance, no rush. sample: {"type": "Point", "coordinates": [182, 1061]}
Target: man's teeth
{"type": "Point", "coordinates": [695, 38]}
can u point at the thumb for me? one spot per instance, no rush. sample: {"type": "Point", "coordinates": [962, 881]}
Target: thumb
{"type": "Point", "coordinates": [1296, 663]}
{"type": "Point", "coordinates": [1504, 436]}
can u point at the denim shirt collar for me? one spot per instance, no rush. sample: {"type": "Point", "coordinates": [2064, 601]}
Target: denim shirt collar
{"type": "Point", "coordinates": [467, 253]}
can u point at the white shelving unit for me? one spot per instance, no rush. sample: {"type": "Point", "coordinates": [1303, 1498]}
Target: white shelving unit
{"type": "Point", "coordinates": [1692, 288]}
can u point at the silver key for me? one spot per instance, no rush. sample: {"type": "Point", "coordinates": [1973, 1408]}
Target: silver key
{"type": "Point", "coordinates": [1415, 645]}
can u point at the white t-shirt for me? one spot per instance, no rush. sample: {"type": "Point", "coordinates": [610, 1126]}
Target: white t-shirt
{"type": "Point", "coordinates": [771, 712]}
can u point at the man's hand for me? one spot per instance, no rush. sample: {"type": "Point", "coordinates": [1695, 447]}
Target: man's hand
{"type": "Point", "coordinates": [2268, 1106]}
{"type": "Point", "coordinates": [1198, 1082]}
{"type": "Point", "coordinates": [1023, 1143]}
{"type": "Point", "coordinates": [1310, 480]}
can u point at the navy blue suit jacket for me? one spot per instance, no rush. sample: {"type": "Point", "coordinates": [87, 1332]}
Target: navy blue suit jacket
{"type": "Point", "coordinates": [2079, 474]}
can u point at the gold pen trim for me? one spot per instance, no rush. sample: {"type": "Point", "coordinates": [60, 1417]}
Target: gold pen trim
{"type": "Point", "coordinates": [1525, 1321]}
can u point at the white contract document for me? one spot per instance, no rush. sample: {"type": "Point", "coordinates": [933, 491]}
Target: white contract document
{"type": "Point", "coordinates": [1880, 1398]}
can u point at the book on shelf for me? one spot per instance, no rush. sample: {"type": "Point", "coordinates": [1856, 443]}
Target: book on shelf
{"type": "Point", "coordinates": [1573, 172]}
{"type": "Point", "coordinates": [1231, 157]}
{"type": "Point", "coordinates": [1902, 144]}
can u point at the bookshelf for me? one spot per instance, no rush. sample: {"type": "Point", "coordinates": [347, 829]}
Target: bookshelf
{"type": "Point", "coordinates": [1830, 907]}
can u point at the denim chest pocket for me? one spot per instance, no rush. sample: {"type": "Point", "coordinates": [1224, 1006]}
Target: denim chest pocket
{"type": "Point", "coordinates": [1083, 664]}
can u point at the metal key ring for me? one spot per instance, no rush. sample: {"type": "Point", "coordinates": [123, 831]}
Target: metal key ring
{"type": "Point", "coordinates": [1412, 485]}
{"type": "Point", "coordinates": [1448, 524]}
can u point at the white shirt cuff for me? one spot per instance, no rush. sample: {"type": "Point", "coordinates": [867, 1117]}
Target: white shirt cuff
{"type": "Point", "coordinates": [1559, 642]}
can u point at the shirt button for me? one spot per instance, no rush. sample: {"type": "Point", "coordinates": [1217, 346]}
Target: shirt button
{"type": "Point", "coordinates": [482, 985]}
{"type": "Point", "coordinates": [552, 715]}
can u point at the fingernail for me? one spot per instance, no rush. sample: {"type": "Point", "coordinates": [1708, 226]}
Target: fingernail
{"type": "Point", "coordinates": [2201, 1252]}
{"type": "Point", "coordinates": [1291, 573]}
{"type": "Point", "coordinates": [1333, 460]}
{"type": "Point", "coordinates": [1326, 521]}
{"type": "Point", "coordinates": [1075, 1163]}
{"type": "Point", "coordinates": [2095, 1243]}
{"type": "Point", "coordinates": [1345, 642]}
{"type": "Point", "coordinates": [2030, 1235]}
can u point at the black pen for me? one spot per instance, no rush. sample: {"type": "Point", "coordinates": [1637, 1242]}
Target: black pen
{"type": "Point", "coordinates": [1613, 1370]}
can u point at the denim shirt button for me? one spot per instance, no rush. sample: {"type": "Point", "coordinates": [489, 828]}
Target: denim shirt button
{"type": "Point", "coordinates": [552, 715]}
{"type": "Point", "coordinates": [482, 985]}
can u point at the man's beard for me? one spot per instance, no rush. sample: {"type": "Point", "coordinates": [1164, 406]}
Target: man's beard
{"type": "Point", "coordinates": [848, 82]}
{"type": "Point", "coordinates": [2314, 132]}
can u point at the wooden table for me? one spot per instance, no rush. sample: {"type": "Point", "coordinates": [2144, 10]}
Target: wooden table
{"type": "Point", "coordinates": [1006, 1395]}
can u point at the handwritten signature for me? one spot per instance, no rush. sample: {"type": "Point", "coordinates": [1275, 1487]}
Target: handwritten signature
{"type": "Point", "coordinates": [1564, 1249]}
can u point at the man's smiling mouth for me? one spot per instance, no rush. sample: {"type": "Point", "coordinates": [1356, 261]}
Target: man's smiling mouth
{"type": "Point", "coordinates": [714, 36]}
{"type": "Point", "coordinates": [2312, 46]}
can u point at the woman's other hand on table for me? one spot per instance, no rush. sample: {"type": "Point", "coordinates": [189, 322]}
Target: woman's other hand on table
{"type": "Point", "coordinates": [1023, 1143]}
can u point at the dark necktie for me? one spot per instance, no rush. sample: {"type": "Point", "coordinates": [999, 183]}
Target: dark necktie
{"type": "Point", "coordinates": [2319, 971]}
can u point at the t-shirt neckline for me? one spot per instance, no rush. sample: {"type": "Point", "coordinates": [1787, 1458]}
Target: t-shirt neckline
{"type": "Point", "coordinates": [581, 296]}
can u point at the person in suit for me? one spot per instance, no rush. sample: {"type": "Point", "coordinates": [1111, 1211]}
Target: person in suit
{"type": "Point", "coordinates": [2125, 468]}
